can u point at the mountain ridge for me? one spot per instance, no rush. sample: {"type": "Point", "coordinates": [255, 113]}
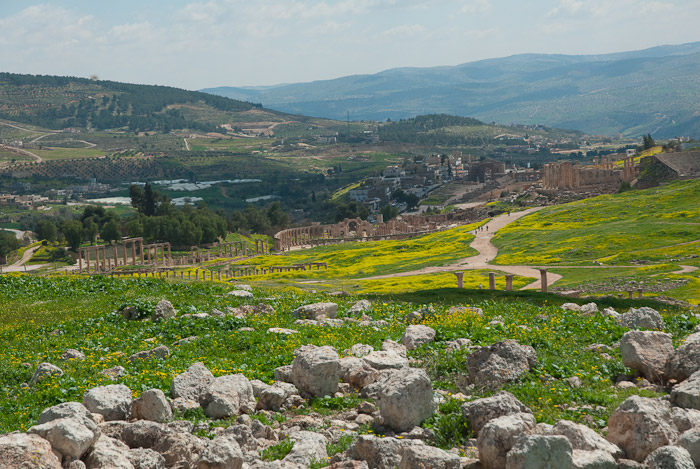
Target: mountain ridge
{"type": "Point", "coordinates": [632, 93]}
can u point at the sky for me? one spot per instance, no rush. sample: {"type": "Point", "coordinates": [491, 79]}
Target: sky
{"type": "Point", "coordinates": [197, 45]}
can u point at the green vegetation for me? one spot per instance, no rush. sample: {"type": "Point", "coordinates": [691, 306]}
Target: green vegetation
{"type": "Point", "coordinates": [654, 225]}
{"type": "Point", "coordinates": [81, 313]}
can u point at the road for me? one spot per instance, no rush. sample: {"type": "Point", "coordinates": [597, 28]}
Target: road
{"type": "Point", "coordinates": [19, 265]}
{"type": "Point", "coordinates": [486, 253]}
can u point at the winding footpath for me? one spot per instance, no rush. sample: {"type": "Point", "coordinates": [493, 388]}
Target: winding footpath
{"type": "Point", "coordinates": [19, 265]}
{"type": "Point", "coordinates": [486, 253]}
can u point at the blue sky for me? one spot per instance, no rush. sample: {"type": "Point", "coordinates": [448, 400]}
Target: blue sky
{"type": "Point", "coordinates": [195, 45]}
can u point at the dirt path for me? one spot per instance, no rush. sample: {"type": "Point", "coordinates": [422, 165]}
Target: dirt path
{"type": "Point", "coordinates": [19, 265]}
{"type": "Point", "coordinates": [38, 158]}
{"type": "Point", "coordinates": [685, 269]}
{"type": "Point", "coordinates": [187, 145]}
{"type": "Point", "coordinates": [486, 253]}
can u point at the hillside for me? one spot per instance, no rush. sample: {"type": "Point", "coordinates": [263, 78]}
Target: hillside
{"type": "Point", "coordinates": [60, 102]}
{"type": "Point", "coordinates": [633, 93]}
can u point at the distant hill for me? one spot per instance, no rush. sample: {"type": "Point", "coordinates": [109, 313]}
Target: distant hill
{"type": "Point", "coordinates": [634, 93]}
{"type": "Point", "coordinates": [59, 102]}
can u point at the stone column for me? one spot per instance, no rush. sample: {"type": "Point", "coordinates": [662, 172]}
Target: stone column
{"type": "Point", "coordinates": [492, 280]}
{"type": "Point", "coordinates": [80, 261]}
{"type": "Point", "coordinates": [509, 282]}
{"type": "Point", "coordinates": [124, 254]}
{"type": "Point", "coordinates": [543, 277]}
{"type": "Point", "coordinates": [116, 256]}
{"type": "Point", "coordinates": [630, 294]}
{"type": "Point", "coordinates": [640, 292]}
{"type": "Point", "coordinates": [133, 252]}
{"type": "Point", "coordinates": [459, 275]}
{"type": "Point", "coordinates": [141, 250]}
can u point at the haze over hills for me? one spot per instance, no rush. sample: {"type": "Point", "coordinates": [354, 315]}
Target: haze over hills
{"type": "Point", "coordinates": [648, 91]}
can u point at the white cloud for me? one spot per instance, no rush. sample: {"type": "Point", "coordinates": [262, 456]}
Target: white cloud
{"type": "Point", "coordinates": [405, 30]}
{"type": "Point", "coordinates": [473, 7]}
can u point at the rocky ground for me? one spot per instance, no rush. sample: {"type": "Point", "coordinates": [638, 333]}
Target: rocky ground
{"type": "Point", "coordinates": [240, 424]}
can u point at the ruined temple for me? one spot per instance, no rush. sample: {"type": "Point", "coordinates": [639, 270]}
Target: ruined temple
{"type": "Point", "coordinates": [568, 175]}
{"type": "Point", "coordinates": [669, 166]}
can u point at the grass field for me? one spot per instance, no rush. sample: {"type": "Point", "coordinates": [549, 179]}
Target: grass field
{"type": "Point", "coordinates": [366, 259]}
{"type": "Point", "coordinates": [654, 225]}
{"type": "Point", "coordinates": [84, 312]}
{"type": "Point", "coordinates": [57, 153]}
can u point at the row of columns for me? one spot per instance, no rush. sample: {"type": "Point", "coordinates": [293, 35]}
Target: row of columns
{"type": "Point", "coordinates": [492, 280]}
{"type": "Point", "coordinates": [233, 249]}
{"type": "Point", "coordinates": [103, 262]}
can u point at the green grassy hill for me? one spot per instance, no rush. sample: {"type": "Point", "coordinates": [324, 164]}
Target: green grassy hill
{"type": "Point", "coordinates": [653, 225]}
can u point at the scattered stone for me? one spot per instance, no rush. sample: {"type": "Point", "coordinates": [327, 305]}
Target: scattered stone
{"type": "Point", "coordinates": [406, 399]}
{"type": "Point", "coordinates": [458, 344]}
{"type": "Point", "coordinates": [72, 354]}
{"type": "Point", "coordinates": [193, 383]}
{"type": "Point", "coordinates": [482, 411]}
{"type": "Point", "coordinates": [669, 457]}
{"type": "Point", "coordinates": [316, 311]}
{"type": "Point", "coordinates": [499, 435]}
{"type": "Point", "coordinates": [610, 312]}
{"type": "Point", "coordinates": [221, 453]}
{"type": "Point", "coordinates": [43, 371]}
{"type": "Point", "coordinates": [316, 370]}
{"type": "Point", "coordinates": [152, 405]}
{"type": "Point", "coordinates": [163, 310]}
{"type": "Point", "coordinates": [597, 459]}
{"type": "Point", "coordinates": [72, 410]}
{"type": "Point", "coordinates": [308, 447]}
{"type": "Point", "coordinates": [180, 449]}
{"type": "Point", "coordinates": [574, 381]}
{"type": "Point", "coordinates": [585, 439]}
{"type": "Point", "coordinates": [417, 335]}
{"type": "Point", "coordinates": [114, 373]}
{"type": "Point", "coordinates": [366, 407]}
{"type": "Point", "coordinates": [273, 397]}
{"type": "Point", "coordinates": [143, 458]}
{"type": "Point", "coordinates": [360, 307]}
{"type": "Point", "coordinates": [571, 307]}
{"type": "Point", "coordinates": [240, 294]}
{"type": "Point", "coordinates": [108, 453]}
{"type": "Point", "coordinates": [283, 373]}
{"type": "Point", "coordinates": [361, 350]}
{"type": "Point", "coordinates": [184, 341]}
{"type": "Point", "coordinates": [380, 453]}
{"type": "Point", "coordinates": [417, 456]}
{"type": "Point", "coordinates": [27, 451]}
{"type": "Point", "coordinates": [493, 366]}
{"type": "Point", "coordinates": [226, 395]}
{"type": "Point", "coordinates": [683, 363]}
{"type": "Point", "coordinates": [589, 309]}
{"type": "Point", "coordinates": [113, 402]}
{"type": "Point", "coordinates": [640, 425]}
{"type": "Point", "coordinates": [182, 405]}
{"type": "Point", "coordinates": [646, 352]}
{"type": "Point", "coordinates": [69, 436]}
{"type": "Point", "coordinates": [687, 393]}
{"type": "Point", "coordinates": [540, 452]}
{"type": "Point", "coordinates": [413, 318]}
{"type": "Point", "coordinates": [391, 346]}
{"type": "Point", "coordinates": [161, 352]}
{"type": "Point", "coordinates": [383, 360]}
{"type": "Point", "coordinates": [282, 331]}
{"type": "Point", "coordinates": [642, 318]}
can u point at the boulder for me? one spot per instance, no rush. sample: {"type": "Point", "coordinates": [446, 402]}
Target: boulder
{"type": "Point", "coordinates": [687, 393]}
{"type": "Point", "coordinates": [378, 453]}
{"type": "Point", "coordinates": [283, 373]}
{"type": "Point", "coordinates": [684, 362]}
{"type": "Point", "coordinates": [273, 397]}
{"type": "Point", "coordinates": [73, 410]}
{"type": "Point", "coordinates": [308, 447]}
{"type": "Point", "coordinates": [585, 439]}
{"type": "Point", "coordinates": [642, 318]}
{"type": "Point", "coordinates": [596, 459]}
{"type": "Point", "coordinates": [406, 399]}
{"type": "Point", "coordinates": [499, 435]}
{"type": "Point", "coordinates": [540, 452]}
{"type": "Point", "coordinates": [417, 335]}
{"type": "Point", "coordinates": [646, 352]}
{"type": "Point", "coordinates": [108, 453]}
{"type": "Point", "coordinates": [383, 360]}
{"type": "Point", "coordinates": [571, 307]}
{"type": "Point", "coordinates": [182, 405]}
{"type": "Point", "coordinates": [360, 350]}
{"type": "Point", "coordinates": [226, 395]}
{"type": "Point", "coordinates": [316, 311]}
{"type": "Point", "coordinates": [69, 436]}
{"type": "Point", "coordinates": [357, 372]}
{"type": "Point", "coordinates": [143, 458]}
{"type": "Point", "coordinates": [391, 346]}
{"type": "Point", "coordinates": [43, 371]}
{"type": "Point", "coordinates": [114, 373]}
{"type": "Point", "coordinates": [140, 434]}
{"type": "Point", "coordinates": [360, 307]}
{"type": "Point", "coordinates": [418, 456]}
{"type": "Point", "coordinates": [281, 331]}
{"type": "Point", "coordinates": [27, 451]}
{"type": "Point", "coordinates": [669, 457]}
{"type": "Point", "coordinates": [493, 366]}
{"type": "Point", "coordinates": [163, 310]}
{"type": "Point", "coordinates": [481, 411]}
{"type": "Point", "coordinates": [179, 449]}
{"type": "Point", "coordinates": [73, 354]}
{"type": "Point", "coordinates": [589, 309]}
{"type": "Point", "coordinates": [193, 383]}
{"type": "Point", "coordinates": [152, 405]}
{"type": "Point", "coordinates": [113, 402]}
{"type": "Point", "coordinates": [640, 425]}
{"type": "Point", "coordinates": [690, 440]}
{"type": "Point", "coordinates": [458, 344]}
{"type": "Point", "coordinates": [221, 453]}
{"type": "Point", "coordinates": [240, 294]}
{"type": "Point", "coordinates": [158, 352]}
{"type": "Point", "coordinates": [316, 370]}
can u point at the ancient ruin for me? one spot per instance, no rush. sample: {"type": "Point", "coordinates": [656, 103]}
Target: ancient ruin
{"type": "Point", "coordinates": [133, 252]}
{"type": "Point", "coordinates": [568, 175]}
